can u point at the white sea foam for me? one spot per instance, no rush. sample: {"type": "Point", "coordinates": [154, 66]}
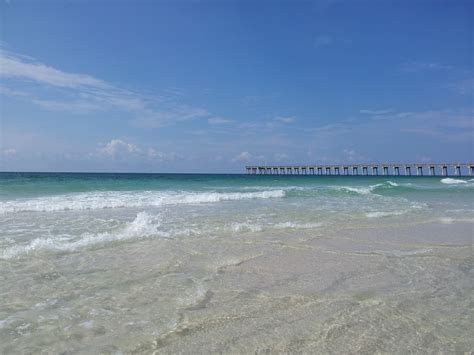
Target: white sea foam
{"type": "Point", "coordinates": [118, 199]}
{"type": "Point", "coordinates": [245, 227]}
{"type": "Point", "coordinates": [362, 190]}
{"type": "Point", "coordinates": [418, 205]}
{"type": "Point", "coordinates": [391, 183]}
{"type": "Point", "coordinates": [359, 190]}
{"type": "Point", "coordinates": [401, 253]}
{"type": "Point", "coordinates": [296, 225]}
{"type": "Point", "coordinates": [416, 252]}
{"type": "Point", "coordinates": [450, 220]}
{"type": "Point", "coordinates": [379, 214]}
{"type": "Point", "coordinates": [144, 225]}
{"type": "Point", "coordinates": [254, 227]}
{"type": "Point", "coordinates": [446, 220]}
{"type": "Point", "coordinates": [451, 181]}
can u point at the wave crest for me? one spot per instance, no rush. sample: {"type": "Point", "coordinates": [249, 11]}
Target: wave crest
{"type": "Point", "coordinates": [451, 181]}
{"type": "Point", "coordinates": [380, 214]}
{"type": "Point", "coordinates": [144, 225]}
{"type": "Point", "coordinates": [115, 199]}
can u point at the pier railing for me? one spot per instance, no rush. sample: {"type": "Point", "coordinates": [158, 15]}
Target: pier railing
{"type": "Point", "coordinates": [443, 169]}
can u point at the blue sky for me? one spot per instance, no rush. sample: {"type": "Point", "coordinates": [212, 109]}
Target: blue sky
{"type": "Point", "coordinates": [210, 86]}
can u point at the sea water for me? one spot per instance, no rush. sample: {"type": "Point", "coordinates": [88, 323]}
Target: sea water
{"type": "Point", "coordinates": [137, 263]}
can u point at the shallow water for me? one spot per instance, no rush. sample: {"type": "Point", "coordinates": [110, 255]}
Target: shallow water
{"type": "Point", "coordinates": [169, 262]}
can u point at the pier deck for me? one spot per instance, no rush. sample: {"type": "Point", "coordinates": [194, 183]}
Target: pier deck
{"type": "Point", "coordinates": [415, 169]}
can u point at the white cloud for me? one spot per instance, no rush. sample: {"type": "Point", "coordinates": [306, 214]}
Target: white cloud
{"type": "Point", "coordinates": [79, 93]}
{"type": "Point", "coordinates": [250, 125]}
{"type": "Point", "coordinates": [9, 152]}
{"type": "Point", "coordinates": [243, 156]}
{"type": "Point", "coordinates": [246, 156]}
{"type": "Point", "coordinates": [425, 66]}
{"type": "Point", "coordinates": [352, 156]}
{"type": "Point", "coordinates": [329, 127]}
{"type": "Point", "coordinates": [250, 100]}
{"type": "Point", "coordinates": [120, 149]}
{"type": "Point", "coordinates": [117, 148]}
{"type": "Point", "coordinates": [448, 124]}
{"type": "Point", "coordinates": [266, 126]}
{"type": "Point", "coordinates": [13, 66]}
{"type": "Point", "coordinates": [154, 155]}
{"type": "Point", "coordinates": [95, 93]}
{"type": "Point", "coordinates": [281, 156]}
{"type": "Point", "coordinates": [158, 119]}
{"type": "Point", "coordinates": [464, 87]}
{"type": "Point", "coordinates": [375, 112]}
{"type": "Point", "coordinates": [392, 116]}
{"type": "Point", "coordinates": [10, 92]}
{"type": "Point", "coordinates": [219, 120]}
{"type": "Point", "coordinates": [322, 40]}
{"type": "Point", "coordinates": [423, 158]}
{"type": "Point", "coordinates": [73, 106]}
{"type": "Point", "coordinates": [287, 119]}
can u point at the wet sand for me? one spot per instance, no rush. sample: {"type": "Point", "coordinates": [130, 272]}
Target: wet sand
{"type": "Point", "coordinates": [385, 289]}
{"type": "Point", "coordinates": [392, 288]}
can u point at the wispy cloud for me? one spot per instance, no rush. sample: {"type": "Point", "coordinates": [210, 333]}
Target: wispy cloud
{"type": "Point", "coordinates": [448, 124]}
{"type": "Point", "coordinates": [219, 120]}
{"type": "Point", "coordinates": [157, 119]}
{"type": "Point", "coordinates": [71, 106]}
{"type": "Point", "coordinates": [425, 66]}
{"type": "Point", "coordinates": [280, 156]}
{"type": "Point", "coordinates": [329, 127]}
{"type": "Point", "coordinates": [10, 92]}
{"type": "Point", "coordinates": [287, 119]}
{"type": "Point", "coordinates": [352, 156]}
{"type": "Point", "coordinates": [80, 93]}
{"type": "Point", "coordinates": [254, 127]}
{"type": "Point", "coordinates": [375, 112]}
{"type": "Point", "coordinates": [250, 100]}
{"type": "Point", "coordinates": [464, 87]}
{"type": "Point", "coordinates": [9, 152]}
{"type": "Point", "coordinates": [15, 66]}
{"type": "Point", "coordinates": [322, 40]}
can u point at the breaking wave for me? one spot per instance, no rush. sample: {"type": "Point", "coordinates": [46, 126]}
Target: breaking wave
{"type": "Point", "coordinates": [379, 214]}
{"type": "Point", "coordinates": [245, 227]}
{"type": "Point", "coordinates": [115, 199]}
{"type": "Point", "coordinates": [451, 181]}
{"type": "Point", "coordinates": [294, 225]}
{"type": "Point", "coordinates": [144, 225]}
{"type": "Point", "coordinates": [365, 190]}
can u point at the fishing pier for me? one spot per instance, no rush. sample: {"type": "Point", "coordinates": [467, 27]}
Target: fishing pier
{"type": "Point", "coordinates": [458, 169]}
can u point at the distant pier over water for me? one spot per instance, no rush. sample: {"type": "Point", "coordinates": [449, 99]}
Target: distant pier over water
{"type": "Point", "coordinates": [441, 169]}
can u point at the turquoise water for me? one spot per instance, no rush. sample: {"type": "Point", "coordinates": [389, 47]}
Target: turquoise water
{"type": "Point", "coordinates": [48, 212]}
{"type": "Point", "coordinates": [81, 254]}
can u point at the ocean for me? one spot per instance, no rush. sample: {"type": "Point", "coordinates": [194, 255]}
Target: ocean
{"type": "Point", "coordinates": [137, 263]}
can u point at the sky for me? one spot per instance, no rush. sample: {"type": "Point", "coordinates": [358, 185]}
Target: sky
{"type": "Point", "coordinates": [212, 86]}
